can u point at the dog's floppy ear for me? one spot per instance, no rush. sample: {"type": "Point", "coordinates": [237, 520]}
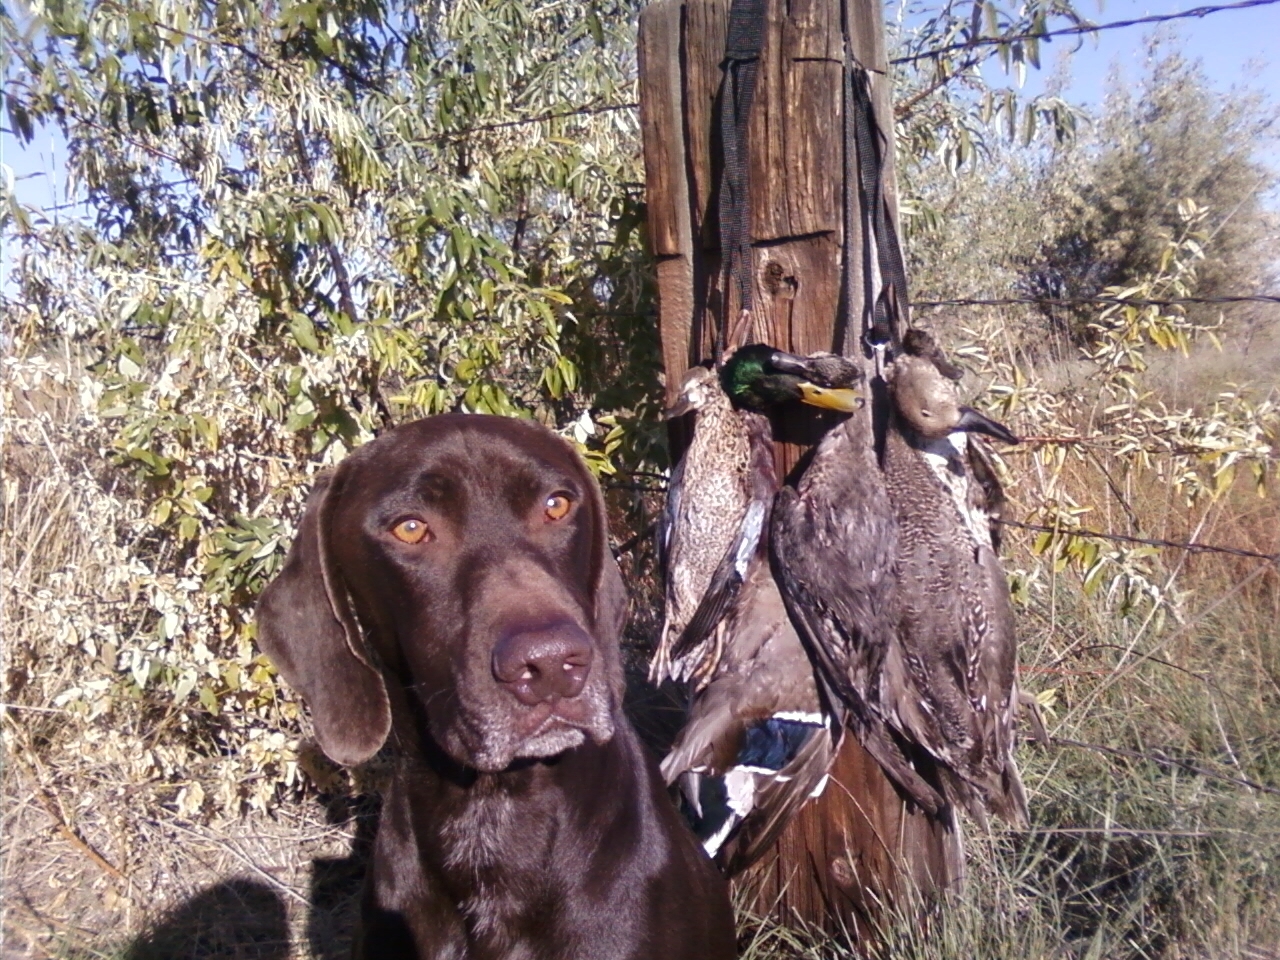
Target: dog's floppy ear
{"type": "Point", "coordinates": [306, 626]}
{"type": "Point", "coordinates": [608, 590]}
{"type": "Point", "coordinates": [611, 598]}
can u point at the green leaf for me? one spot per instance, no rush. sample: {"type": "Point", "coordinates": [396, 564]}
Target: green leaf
{"type": "Point", "coordinates": [209, 699]}
{"type": "Point", "coordinates": [304, 332]}
{"type": "Point", "coordinates": [595, 27]}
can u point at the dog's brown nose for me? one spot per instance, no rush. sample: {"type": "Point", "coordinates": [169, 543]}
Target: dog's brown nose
{"type": "Point", "coordinates": [548, 663]}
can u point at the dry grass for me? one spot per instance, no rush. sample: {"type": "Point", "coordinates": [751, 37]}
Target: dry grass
{"type": "Point", "coordinates": [97, 861]}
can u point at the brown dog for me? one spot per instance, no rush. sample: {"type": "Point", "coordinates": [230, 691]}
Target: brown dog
{"type": "Point", "coordinates": [451, 590]}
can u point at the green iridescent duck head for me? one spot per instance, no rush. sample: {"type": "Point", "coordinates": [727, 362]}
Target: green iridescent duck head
{"type": "Point", "coordinates": [759, 377]}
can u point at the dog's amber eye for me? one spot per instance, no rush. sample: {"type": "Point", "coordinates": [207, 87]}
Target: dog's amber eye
{"type": "Point", "coordinates": [557, 506]}
{"type": "Point", "coordinates": [411, 530]}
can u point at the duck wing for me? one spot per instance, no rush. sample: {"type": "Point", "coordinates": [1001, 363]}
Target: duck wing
{"type": "Point", "coordinates": [757, 743]}
{"type": "Point", "coordinates": [777, 798]}
{"type": "Point", "coordinates": [667, 519]}
{"type": "Point", "coordinates": [986, 492]}
{"type": "Point", "coordinates": [726, 581]}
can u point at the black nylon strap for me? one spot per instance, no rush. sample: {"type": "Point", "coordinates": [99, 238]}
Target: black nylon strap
{"type": "Point", "coordinates": [741, 65]}
{"type": "Point", "coordinates": [855, 264]}
{"type": "Point", "coordinates": [887, 313]}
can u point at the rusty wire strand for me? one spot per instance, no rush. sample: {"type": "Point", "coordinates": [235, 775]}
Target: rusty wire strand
{"type": "Point", "coordinates": [1075, 301]}
{"type": "Point", "coordinates": [1148, 541]}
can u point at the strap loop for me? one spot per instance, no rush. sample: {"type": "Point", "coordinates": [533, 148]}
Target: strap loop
{"type": "Point", "coordinates": [737, 91]}
{"type": "Point", "coordinates": [887, 316]}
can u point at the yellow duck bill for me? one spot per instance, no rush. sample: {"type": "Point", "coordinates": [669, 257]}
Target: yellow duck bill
{"type": "Point", "coordinates": [843, 399]}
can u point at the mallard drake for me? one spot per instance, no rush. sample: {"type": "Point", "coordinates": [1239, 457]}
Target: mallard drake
{"type": "Point", "coordinates": [828, 370]}
{"type": "Point", "coordinates": [756, 744]}
{"type": "Point", "coordinates": [761, 378]}
{"type": "Point", "coordinates": [834, 540]}
{"type": "Point", "coordinates": [718, 501]}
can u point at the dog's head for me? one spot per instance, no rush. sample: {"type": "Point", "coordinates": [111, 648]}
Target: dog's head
{"type": "Point", "coordinates": [463, 559]}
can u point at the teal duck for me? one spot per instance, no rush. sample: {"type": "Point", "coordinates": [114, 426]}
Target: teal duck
{"type": "Point", "coordinates": [717, 505]}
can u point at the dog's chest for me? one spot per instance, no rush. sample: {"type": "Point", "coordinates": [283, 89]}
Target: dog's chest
{"type": "Point", "coordinates": [497, 856]}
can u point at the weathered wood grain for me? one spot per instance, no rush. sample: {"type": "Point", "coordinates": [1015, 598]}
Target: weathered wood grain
{"type": "Point", "coordinates": [667, 183]}
{"type": "Point", "coordinates": [705, 28]}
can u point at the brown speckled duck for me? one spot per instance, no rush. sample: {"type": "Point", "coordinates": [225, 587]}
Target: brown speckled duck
{"type": "Point", "coordinates": [717, 503]}
{"type": "Point", "coordinates": [949, 682]}
{"type": "Point", "coordinates": [719, 499]}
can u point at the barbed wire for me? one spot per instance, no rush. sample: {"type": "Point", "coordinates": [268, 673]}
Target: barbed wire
{"type": "Point", "coordinates": [1148, 541]}
{"type": "Point", "coordinates": [1165, 760]}
{"type": "Point", "coordinates": [1076, 301]}
{"type": "Point", "coordinates": [586, 110]}
{"type": "Point", "coordinates": [928, 54]}
{"type": "Point", "coordinates": [1080, 29]}
{"type": "Point", "coordinates": [1190, 547]}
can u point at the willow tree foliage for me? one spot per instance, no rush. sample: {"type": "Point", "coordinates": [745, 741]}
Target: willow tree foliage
{"type": "Point", "coordinates": [314, 220]}
{"type": "Point", "coordinates": [311, 220]}
{"type": "Point", "coordinates": [307, 222]}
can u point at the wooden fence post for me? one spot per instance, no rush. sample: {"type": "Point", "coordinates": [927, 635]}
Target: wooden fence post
{"type": "Point", "coordinates": [857, 844]}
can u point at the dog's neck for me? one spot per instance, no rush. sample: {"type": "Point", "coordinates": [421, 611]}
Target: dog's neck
{"type": "Point", "coordinates": [471, 815]}
{"type": "Point", "coordinates": [434, 758]}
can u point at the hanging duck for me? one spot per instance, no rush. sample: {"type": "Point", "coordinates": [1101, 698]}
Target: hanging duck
{"type": "Point", "coordinates": [756, 744]}
{"type": "Point", "coordinates": [718, 502]}
{"type": "Point", "coordinates": [834, 540]}
{"type": "Point", "coordinates": [949, 683]}
{"type": "Point", "coordinates": [892, 580]}
{"type": "Point", "coordinates": [986, 494]}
